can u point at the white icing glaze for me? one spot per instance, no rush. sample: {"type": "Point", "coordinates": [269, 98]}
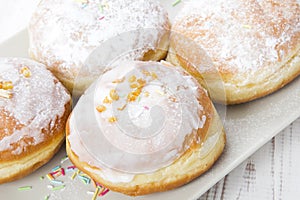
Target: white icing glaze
{"type": "Point", "coordinates": [68, 31]}
{"type": "Point", "coordinates": [243, 36]}
{"type": "Point", "coordinates": [36, 103]}
{"type": "Point", "coordinates": [129, 146]}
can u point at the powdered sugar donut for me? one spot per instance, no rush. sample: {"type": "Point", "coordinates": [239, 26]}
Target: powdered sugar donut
{"type": "Point", "coordinates": [144, 127]}
{"type": "Point", "coordinates": [64, 33]}
{"type": "Point", "coordinates": [34, 107]}
{"type": "Point", "coordinates": [252, 45]}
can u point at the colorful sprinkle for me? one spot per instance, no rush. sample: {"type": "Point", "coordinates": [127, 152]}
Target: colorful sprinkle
{"type": "Point", "coordinates": [146, 107]}
{"type": "Point", "coordinates": [86, 179]}
{"type": "Point", "coordinates": [42, 177]}
{"type": "Point", "coordinates": [63, 171]}
{"type": "Point", "coordinates": [25, 188]}
{"type": "Point", "coordinates": [100, 18]}
{"type": "Point", "coordinates": [58, 182]}
{"type": "Point", "coordinates": [56, 168]}
{"type": "Point", "coordinates": [64, 159]}
{"type": "Point", "coordinates": [104, 193]}
{"type": "Point", "coordinates": [50, 177]}
{"type": "Point", "coordinates": [96, 193]}
{"type": "Point", "coordinates": [75, 174]}
{"type": "Point", "coordinates": [58, 188]}
{"type": "Point", "coordinates": [47, 197]}
{"type": "Point", "coordinates": [175, 3]}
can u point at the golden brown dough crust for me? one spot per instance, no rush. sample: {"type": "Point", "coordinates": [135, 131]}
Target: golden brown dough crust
{"type": "Point", "coordinates": [64, 41]}
{"type": "Point", "coordinates": [185, 169]}
{"type": "Point", "coordinates": [252, 47]}
{"type": "Point", "coordinates": [197, 159]}
{"type": "Point", "coordinates": [32, 121]}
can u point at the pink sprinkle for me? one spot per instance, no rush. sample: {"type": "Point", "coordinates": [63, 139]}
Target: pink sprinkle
{"type": "Point", "coordinates": [63, 171]}
{"type": "Point", "coordinates": [104, 192]}
{"type": "Point", "coordinates": [71, 167]}
{"type": "Point", "coordinates": [146, 107]}
{"type": "Point", "coordinates": [54, 173]}
{"type": "Point", "coordinates": [100, 18]}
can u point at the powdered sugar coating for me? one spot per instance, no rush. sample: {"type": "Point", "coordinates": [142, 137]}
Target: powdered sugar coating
{"type": "Point", "coordinates": [242, 36]}
{"type": "Point", "coordinates": [37, 102]}
{"type": "Point", "coordinates": [176, 114]}
{"type": "Point", "coordinates": [63, 33]}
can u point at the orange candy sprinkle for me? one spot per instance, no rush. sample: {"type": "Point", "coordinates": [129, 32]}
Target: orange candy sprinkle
{"type": "Point", "coordinates": [132, 79]}
{"type": "Point", "coordinates": [107, 100]}
{"type": "Point", "coordinates": [6, 85]}
{"type": "Point", "coordinates": [119, 80]}
{"type": "Point", "coordinates": [113, 95]}
{"type": "Point", "coordinates": [26, 72]}
{"type": "Point", "coordinates": [101, 108]}
{"type": "Point", "coordinates": [112, 119]}
{"type": "Point", "coordinates": [146, 73]}
{"type": "Point", "coordinates": [133, 85]}
{"type": "Point", "coordinates": [122, 108]}
{"type": "Point", "coordinates": [154, 75]}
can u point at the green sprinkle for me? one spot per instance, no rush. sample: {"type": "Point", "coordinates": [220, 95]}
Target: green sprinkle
{"type": "Point", "coordinates": [56, 168]}
{"type": "Point", "coordinates": [64, 159]}
{"type": "Point", "coordinates": [47, 197]}
{"type": "Point", "coordinates": [25, 188]}
{"type": "Point", "coordinates": [58, 188]}
{"type": "Point", "coordinates": [42, 177]}
{"type": "Point", "coordinates": [176, 3]}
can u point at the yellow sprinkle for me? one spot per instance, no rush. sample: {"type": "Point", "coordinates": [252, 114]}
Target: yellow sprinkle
{"type": "Point", "coordinates": [112, 119]}
{"type": "Point", "coordinates": [101, 108]}
{"type": "Point", "coordinates": [132, 79]}
{"type": "Point", "coordinates": [96, 193]}
{"type": "Point", "coordinates": [75, 174]}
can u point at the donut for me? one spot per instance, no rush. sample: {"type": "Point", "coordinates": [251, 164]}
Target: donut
{"type": "Point", "coordinates": [250, 47]}
{"type": "Point", "coordinates": [34, 107]}
{"type": "Point", "coordinates": [77, 39]}
{"type": "Point", "coordinates": [144, 127]}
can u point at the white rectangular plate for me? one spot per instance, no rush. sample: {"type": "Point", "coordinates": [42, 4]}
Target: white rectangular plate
{"type": "Point", "coordinates": [248, 127]}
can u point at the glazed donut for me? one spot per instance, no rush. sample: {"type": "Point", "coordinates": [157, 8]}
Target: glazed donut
{"type": "Point", "coordinates": [34, 107]}
{"type": "Point", "coordinates": [253, 46]}
{"type": "Point", "coordinates": [144, 127]}
{"type": "Point", "coordinates": [76, 39]}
